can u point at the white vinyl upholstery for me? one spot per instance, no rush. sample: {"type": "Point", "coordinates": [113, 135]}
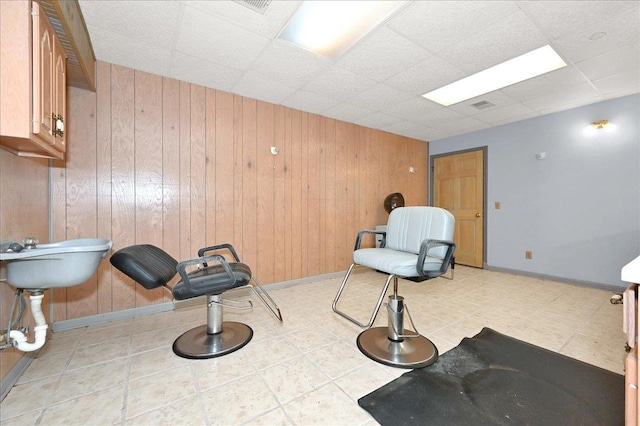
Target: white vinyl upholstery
{"type": "Point", "coordinates": [407, 228]}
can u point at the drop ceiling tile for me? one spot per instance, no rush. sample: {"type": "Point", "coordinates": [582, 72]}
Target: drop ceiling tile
{"type": "Point", "coordinates": [377, 120]}
{"type": "Point", "coordinates": [464, 125]}
{"type": "Point", "coordinates": [506, 114]}
{"type": "Point", "coordinates": [548, 83]}
{"type": "Point", "coordinates": [195, 70]}
{"type": "Point", "coordinates": [570, 105]}
{"type": "Point", "coordinates": [415, 107]}
{"type": "Point", "coordinates": [497, 98]}
{"type": "Point", "coordinates": [624, 59]}
{"type": "Point", "coordinates": [289, 65]}
{"type": "Point", "coordinates": [340, 84]}
{"type": "Point", "coordinates": [438, 117]}
{"type": "Point", "coordinates": [347, 112]}
{"type": "Point", "coordinates": [436, 25]}
{"type": "Point", "coordinates": [567, 17]}
{"type": "Point", "coordinates": [622, 30]}
{"type": "Point", "coordinates": [267, 25]}
{"type": "Point", "coordinates": [432, 135]}
{"type": "Point", "coordinates": [382, 54]}
{"type": "Point", "coordinates": [512, 36]}
{"type": "Point", "coordinates": [430, 74]}
{"type": "Point", "coordinates": [215, 40]}
{"type": "Point", "coordinates": [309, 102]}
{"type": "Point", "coordinates": [379, 97]}
{"type": "Point", "coordinates": [406, 128]}
{"type": "Point", "coordinates": [132, 53]}
{"type": "Point", "coordinates": [134, 20]}
{"type": "Point", "coordinates": [560, 98]}
{"type": "Point", "coordinates": [514, 119]}
{"type": "Point", "coordinates": [258, 87]}
{"type": "Point", "coordinates": [620, 83]}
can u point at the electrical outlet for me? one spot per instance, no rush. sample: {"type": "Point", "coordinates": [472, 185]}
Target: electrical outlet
{"type": "Point", "coordinates": [497, 205]}
{"type": "Point", "coordinates": [528, 255]}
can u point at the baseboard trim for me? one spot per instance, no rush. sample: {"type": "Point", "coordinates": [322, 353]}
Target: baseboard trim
{"type": "Point", "coordinates": [582, 283]}
{"type": "Point", "coordinates": [168, 306]}
{"type": "Point", "coordinates": [16, 372]}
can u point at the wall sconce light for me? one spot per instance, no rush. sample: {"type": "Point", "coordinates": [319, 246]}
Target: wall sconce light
{"type": "Point", "coordinates": [601, 124]}
{"type": "Point", "coordinates": [596, 126]}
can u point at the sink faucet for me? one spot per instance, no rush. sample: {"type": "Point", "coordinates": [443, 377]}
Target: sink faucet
{"type": "Point", "coordinates": [30, 242]}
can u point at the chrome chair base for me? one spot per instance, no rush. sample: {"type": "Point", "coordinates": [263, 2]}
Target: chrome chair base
{"type": "Point", "coordinates": [413, 352]}
{"type": "Point", "coordinates": [198, 344]}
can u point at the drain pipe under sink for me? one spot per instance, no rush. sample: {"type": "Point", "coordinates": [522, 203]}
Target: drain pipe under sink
{"type": "Point", "coordinates": [40, 329]}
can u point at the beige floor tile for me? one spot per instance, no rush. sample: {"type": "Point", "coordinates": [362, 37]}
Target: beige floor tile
{"type": "Point", "coordinates": [238, 402]}
{"type": "Point", "coordinates": [154, 339]}
{"type": "Point", "coordinates": [337, 359]}
{"type": "Point", "coordinates": [99, 408]}
{"type": "Point", "coordinates": [275, 417]}
{"type": "Point", "coordinates": [219, 371]}
{"type": "Point", "coordinates": [293, 378]}
{"type": "Point", "coordinates": [27, 397]}
{"type": "Point", "coordinates": [310, 362]}
{"type": "Point", "coordinates": [50, 365]}
{"type": "Point", "coordinates": [326, 406]}
{"type": "Point", "coordinates": [151, 392]}
{"type": "Point", "coordinates": [364, 380]}
{"type": "Point", "coordinates": [102, 352]}
{"type": "Point", "coordinates": [154, 361]}
{"type": "Point", "coordinates": [83, 381]}
{"type": "Point", "coordinates": [270, 352]}
{"type": "Point", "coordinates": [188, 411]}
{"type": "Point", "coordinates": [311, 338]}
{"type": "Point", "coordinates": [27, 419]}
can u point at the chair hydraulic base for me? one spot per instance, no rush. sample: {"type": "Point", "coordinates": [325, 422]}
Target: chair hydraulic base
{"type": "Point", "coordinates": [414, 352]}
{"type": "Point", "coordinates": [197, 343]}
{"type": "Point", "coordinates": [216, 338]}
{"type": "Point", "coordinates": [394, 345]}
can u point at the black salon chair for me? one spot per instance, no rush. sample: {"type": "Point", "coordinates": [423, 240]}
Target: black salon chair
{"type": "Point", "coordinates": [207, 275]}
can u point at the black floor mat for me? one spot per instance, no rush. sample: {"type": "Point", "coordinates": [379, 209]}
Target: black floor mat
{"type": "Point", "coordinates": [493, 379]}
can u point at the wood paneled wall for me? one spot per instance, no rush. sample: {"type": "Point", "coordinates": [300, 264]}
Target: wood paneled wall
{"type": "Point", "coordinates": [24, 212]}
{"type": "Point", "coordinates": [160, 161]}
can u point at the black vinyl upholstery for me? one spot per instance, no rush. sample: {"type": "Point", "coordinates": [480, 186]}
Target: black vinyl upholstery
{"type": "Point", "coordinates": [152, 267]}
{"type": "Point", "coordinates": [211, 280]}
{"type": "Point", "coordinates": [147, 265]}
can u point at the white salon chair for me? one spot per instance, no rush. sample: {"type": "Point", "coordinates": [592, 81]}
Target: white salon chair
{"type": "Point", "coordinates": [417, 245]}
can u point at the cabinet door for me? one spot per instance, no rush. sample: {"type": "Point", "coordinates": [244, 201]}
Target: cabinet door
{"type": "Point", "coordinates": [59, 96]}
{"type": "Point", "coordinates": [42, 76]}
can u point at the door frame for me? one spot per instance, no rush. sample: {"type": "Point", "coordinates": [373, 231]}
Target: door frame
{"type": "Point", "coordinates": [485, 208]}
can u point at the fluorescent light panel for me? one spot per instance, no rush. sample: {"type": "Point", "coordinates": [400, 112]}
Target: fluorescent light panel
{"type": "Point", "coordinates": [330, 28]}
{"type": "Point", "coordinates": [523, 67]}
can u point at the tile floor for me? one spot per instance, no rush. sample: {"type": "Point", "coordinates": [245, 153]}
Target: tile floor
{"type": "Point", "coordinates": [307, 370]}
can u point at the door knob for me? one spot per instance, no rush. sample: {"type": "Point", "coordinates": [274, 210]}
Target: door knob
{"type": "Point", "coordinates": [478, 215]}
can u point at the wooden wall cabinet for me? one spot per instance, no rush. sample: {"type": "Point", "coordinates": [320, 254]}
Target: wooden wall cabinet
{"type": "Point", "coordinates": [32, 82]}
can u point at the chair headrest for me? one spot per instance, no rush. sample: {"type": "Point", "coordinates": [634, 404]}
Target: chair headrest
{"type": "Point", "coordinates": [409, 226]}
{"type": "Point", "coordinates": [147, 265]}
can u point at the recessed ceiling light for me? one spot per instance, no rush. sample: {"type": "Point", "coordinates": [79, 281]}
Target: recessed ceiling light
{"type": "Point", "coordinates": [523, 67]}
{"type": "Point", "coordinates": [330, 28]}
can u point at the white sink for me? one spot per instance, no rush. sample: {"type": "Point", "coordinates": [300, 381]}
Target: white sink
{"type": "Point", "coordinates": [62, 264]}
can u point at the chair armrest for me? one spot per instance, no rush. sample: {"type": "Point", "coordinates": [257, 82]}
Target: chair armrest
{"type": "Point", "coordinates": [182, 268]}
{"type": "Point", "coordinates": [229, 247]}
{"type": "Point", "coordinates": [369, 231]}
{"type": "Point", "coordinates": [424, 251]}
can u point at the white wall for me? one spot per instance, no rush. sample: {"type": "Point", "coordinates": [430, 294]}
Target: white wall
{"type": "Point", "coordinates": [578, 210]}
